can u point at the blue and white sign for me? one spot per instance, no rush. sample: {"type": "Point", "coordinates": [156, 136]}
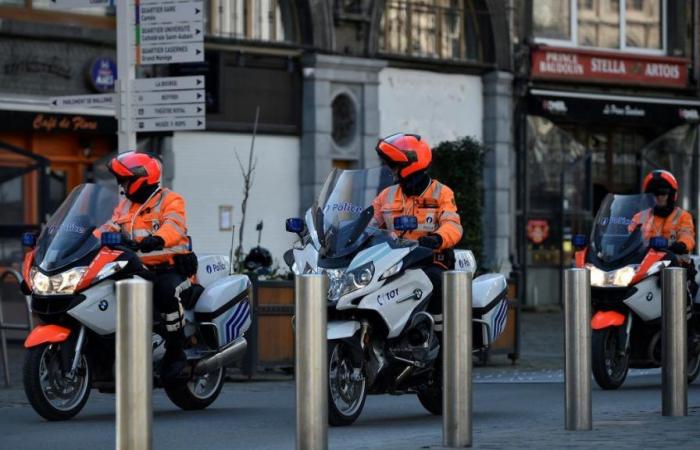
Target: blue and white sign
{"type": "Point", "coordinates": [103, 74]}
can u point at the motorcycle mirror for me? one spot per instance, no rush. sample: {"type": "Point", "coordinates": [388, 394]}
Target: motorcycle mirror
{"type": "Point", "coordinates": [658, 243]}
{"type": "Point", "coordinates": [111, 238]}
{"type": "Point", "coordinates": [29, 239]}
{"type": "Point", "coordinates": [294, 225]}
{"type": "Point", "coordinates": [405, 223]}
{"type": "Point", "coordinates": [579, 241]}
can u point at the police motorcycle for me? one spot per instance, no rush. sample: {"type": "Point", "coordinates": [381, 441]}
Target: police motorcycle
{"type": "Point", "coordinates": [71, 274]}
{"type": "Point", "coordinates": [381, 339]}
{"type": "Point", "coordinates": [626, 292]}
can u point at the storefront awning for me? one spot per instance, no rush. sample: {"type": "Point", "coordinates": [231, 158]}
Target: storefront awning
{"type": "Point", "coordinates": [598, 108]}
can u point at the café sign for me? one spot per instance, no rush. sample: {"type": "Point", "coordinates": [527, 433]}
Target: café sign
{"type": "Point", "coordinates": [606, 67]}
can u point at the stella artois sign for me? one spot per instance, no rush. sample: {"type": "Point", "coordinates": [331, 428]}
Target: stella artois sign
{"type": "Point", "coordinates": [537, 230]}
{"type": "Point", "coordinates": [607, 67]}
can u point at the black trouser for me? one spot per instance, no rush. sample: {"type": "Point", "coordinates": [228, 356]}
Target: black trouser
{"type": "Point", "coordinates": [434, 273]}
{"type": "Point", "coordinates": [167, 287]}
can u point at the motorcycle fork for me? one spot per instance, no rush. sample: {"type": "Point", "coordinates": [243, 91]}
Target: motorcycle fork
{"type": "Point", "coordinates": [625, 333]}
{"type": "Point", "coordinates": [70, 355]}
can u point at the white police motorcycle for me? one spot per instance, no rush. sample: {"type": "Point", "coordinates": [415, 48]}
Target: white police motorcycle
{"type": "Point", "coordinates": [381, 339]}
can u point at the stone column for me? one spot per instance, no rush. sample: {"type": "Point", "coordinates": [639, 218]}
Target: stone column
{"type": "Point", "coordinates": [354, 82]}
{"type": "Point", "coordinates": [499, 172]}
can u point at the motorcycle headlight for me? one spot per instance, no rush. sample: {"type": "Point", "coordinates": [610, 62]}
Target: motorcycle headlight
{"type": "Point", "coordinates": [342, 283]}
{"type": "Point", "coordinates": [63, 283]}
{"type": "Point", "coordinates": [614, 278]}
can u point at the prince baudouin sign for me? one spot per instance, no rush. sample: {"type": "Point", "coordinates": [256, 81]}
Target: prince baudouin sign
{"type": "Point", "coordinates": [537, 230]}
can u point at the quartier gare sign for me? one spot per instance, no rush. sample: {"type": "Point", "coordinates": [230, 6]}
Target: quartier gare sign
{"type": "Point", "coordinates": [595, 66]}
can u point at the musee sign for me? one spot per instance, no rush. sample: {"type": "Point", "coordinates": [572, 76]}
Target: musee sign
{"type": "Point", "coordinates": [587, 65]}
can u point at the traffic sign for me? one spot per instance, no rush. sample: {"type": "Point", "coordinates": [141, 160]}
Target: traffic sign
{"type": "Point", "coordinates": [74, 4]}
{"type": "Point", "coordinates": [170, 53]}
{"type": "Point", "coordinates": [77, 101]}
{"type": "Point", "coordinates": [170, 111]}
{"type": "Point", "coordinates": [169, 33]}
{"type": "Point", "coordinates": [168, 83]}
{"type": "Point", "coordinates": [150, 14]}
{"type": "Point", "coordinates": [169, 97]}
{"type": "Point", "coordinates": [170, 124]}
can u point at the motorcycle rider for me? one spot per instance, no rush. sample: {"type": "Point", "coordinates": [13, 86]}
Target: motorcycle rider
{"type": "Point", "coordinates": [154, 218]}
{"type": "Point", "coordinates": [433, 204]}
{"type": "Point", "coordinates": [667, 220]}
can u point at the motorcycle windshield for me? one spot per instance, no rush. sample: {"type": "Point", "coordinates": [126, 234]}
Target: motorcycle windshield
{"type": "Point", "coordinates": [68, 236]}
{"type": "Point", "coordinates": [342, 221]}
{"type": "Point", "coordinates": [617, 230]}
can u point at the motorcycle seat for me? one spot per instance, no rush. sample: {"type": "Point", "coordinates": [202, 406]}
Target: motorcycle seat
{"type": "Point", "coordinates": [189, 296]}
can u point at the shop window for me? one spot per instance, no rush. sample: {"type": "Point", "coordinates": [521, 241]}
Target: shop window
{"type": "Point", "coordinates": [630, 25]}
{"type": "Point", "coordinates": [443, 29]}
{"type": "Point", "coordinates": [257, 20]}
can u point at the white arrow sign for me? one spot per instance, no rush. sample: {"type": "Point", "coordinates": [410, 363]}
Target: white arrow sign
{"type": "Point", "coordinates": [168, 83]}
{"type": "Point", "coordinates": [170, 53]}
{"type": "Point", "coordinates": [89, 101]}
{"type": "Point", "coordinates": [169, 12]}
{"type": "Point", "coordinates": [171, 33]}
{"type": "Point", "coordinates": [168, 124]}
{"type": "Point", "coordinates": [168, 97]}
{"type": "Point", "coordinates": [73, 4]}
{"type": "Point", "coordinates": [171, 111]}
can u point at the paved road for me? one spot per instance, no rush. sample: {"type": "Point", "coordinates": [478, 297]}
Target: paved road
{"type": "Point", "coordinates": [508, 413]}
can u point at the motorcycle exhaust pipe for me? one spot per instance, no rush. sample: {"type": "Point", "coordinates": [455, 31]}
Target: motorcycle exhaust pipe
{"type": "Point", "coordinates": [225, 357]}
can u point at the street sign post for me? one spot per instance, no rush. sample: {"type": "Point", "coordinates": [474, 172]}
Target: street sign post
{"type": "Point", "coordinates": [170, 53]}
{"type": "Point", "coordinates": [171, 33]}
{"type": "Point", "coordinates": [169, 97]}
{"type": "Point", "coordinates": [168, 83]}
{"type": "Point", "coordinates": [170, 111]}
{"type": "Point", "coordinates": [149, 14]}
{"type": "Point", "coordinates": [83, 101]}
{"type": "Point", "coordinates": [170, 124]}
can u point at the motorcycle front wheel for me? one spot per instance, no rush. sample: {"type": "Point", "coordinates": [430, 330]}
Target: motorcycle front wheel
{"type": "Point", "coordinates": [53, 393]}
{"type": "Point", "coordinates": [347, 389]}
{"type": "Point", "coordinates": [609, 365]}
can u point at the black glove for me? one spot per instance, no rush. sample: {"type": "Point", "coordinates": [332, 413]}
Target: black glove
{"type": "Point", "coordinates": [151, 243]}
{"type": "Point", "coordinates": [678, 248]}
{"type": "Point", "coordinates": [186, 264]}
{"type": "Point", "coordinates": [432, 240]}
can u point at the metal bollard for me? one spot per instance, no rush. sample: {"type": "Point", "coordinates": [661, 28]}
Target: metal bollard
{"type": "Point", "coordinates": [577, 330]}
{"type": "Point", "coordinates": [311, 368]}
{"type": "Point", "coordinates": [457, 359]}
{"type": "Point", "coordinates": [674, 351]}
{"type": "Point", "coordinates": [134, 365]}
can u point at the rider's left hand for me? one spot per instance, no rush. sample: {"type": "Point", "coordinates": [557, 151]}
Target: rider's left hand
{"type": "Point", "coordinates": [151, 243]}
{"type": "Point", "coordinates": [432, 240]}
{"type": "Point", "coordinates": [678, 248]}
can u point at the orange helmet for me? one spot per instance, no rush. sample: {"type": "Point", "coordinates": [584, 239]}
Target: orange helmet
{"type": "Point", "coordinates": [661, 182]}
{"type": "Point", "coordinates": [135, 171]}
{"type": "Point", "coordinates": [406, 152]}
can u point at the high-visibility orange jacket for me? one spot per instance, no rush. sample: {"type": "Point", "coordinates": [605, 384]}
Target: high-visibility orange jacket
{"type": "Point", "coordinates": [435, 210]}
{"type": "Point", "coordinates": [676, 227]}
{"type": "Point", "coordinates": [162, 215]}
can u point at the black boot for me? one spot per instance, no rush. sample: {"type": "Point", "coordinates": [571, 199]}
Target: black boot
{"type": "Point", "coordinates": [174, 364]}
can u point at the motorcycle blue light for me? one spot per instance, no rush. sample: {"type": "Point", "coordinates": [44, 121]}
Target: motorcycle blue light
{"type": "Point", "coordinates": [295, 225]}
{"type": "Point", "coordinates": [579, 240]}
{"type": "Point", "coordinates": [28, 239]}
{"type": "Point", "coordinates": [110, 239]}
{"type": "Point", "coordinates": [405, 223]}
{"type": "Point", "coordinates": [658, 243]}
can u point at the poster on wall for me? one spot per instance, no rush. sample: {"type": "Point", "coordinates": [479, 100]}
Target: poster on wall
{"type": "Point", "coordinates": [537, 230]}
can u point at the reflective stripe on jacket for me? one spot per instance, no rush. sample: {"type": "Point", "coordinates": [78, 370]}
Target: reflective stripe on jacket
{"type": "Point", "coordinates": [162, 215]}
{"type": "Point", "coordinates": [435, 210]}
{"type": "Point", "coordinates": [676, 227]}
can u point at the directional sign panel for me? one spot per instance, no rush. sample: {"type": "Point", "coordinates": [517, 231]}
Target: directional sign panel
{"type": "Point", "coordinates": [168, 83]}
{"type": "Point", "coordinates": [168, 97]}
{"type": "Point", "coordinates": [170, 111]}
{"type": "Point", "coordinates": [170, 33]}
{"type": "Point", "coordinates": [170, 53]}
{"type": "Point", "coordinates": [78, 101]}
{"type": "Point", "coordinates": [169, 124]}
{"type": "Point", "coordinates": [74, 4]}
{"type": "Point", "coordinates": [170, 12]}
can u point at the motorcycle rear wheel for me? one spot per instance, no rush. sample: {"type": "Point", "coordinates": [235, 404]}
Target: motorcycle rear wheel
{"type": "Point", "coordinates": [199, 392]}
{"type": "Point", "coordinates": [54, 395]}
{"type": "Point", "coordinates": [609, 367]}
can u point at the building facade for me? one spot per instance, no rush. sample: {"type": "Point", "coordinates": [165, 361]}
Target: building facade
{"type": "Point", "coordinates": [605, 91]}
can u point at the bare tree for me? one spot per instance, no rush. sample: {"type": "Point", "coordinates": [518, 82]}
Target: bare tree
{"type": "Point", "coordinates": [247, 184]}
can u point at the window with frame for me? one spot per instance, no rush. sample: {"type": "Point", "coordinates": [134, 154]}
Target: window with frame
{"type": "Point", "coordinates": [443, 29]}
{"type": "Point", "coordinates": [630, 25]}
{"type": "Point", "coordinates": [258, 20]}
